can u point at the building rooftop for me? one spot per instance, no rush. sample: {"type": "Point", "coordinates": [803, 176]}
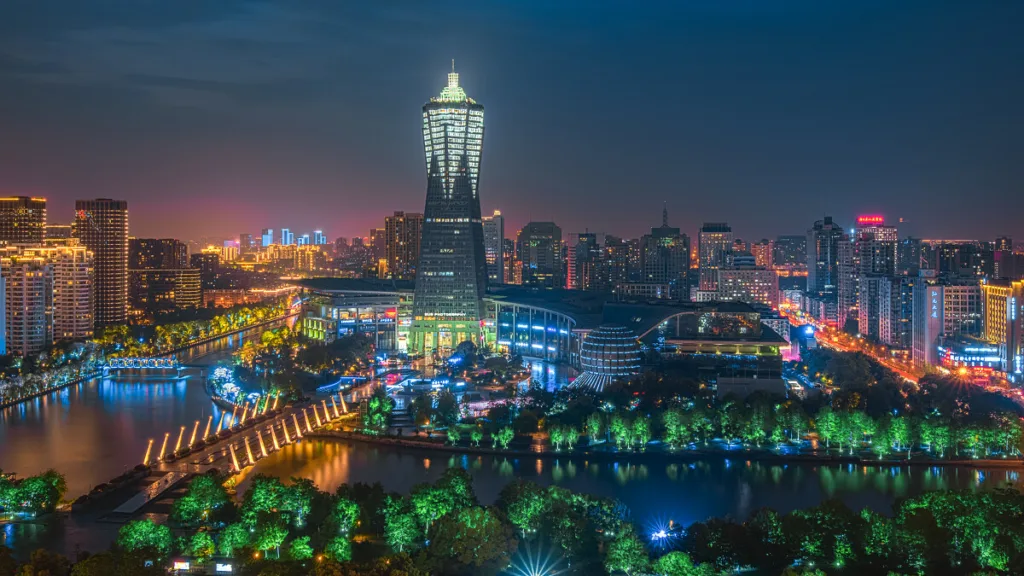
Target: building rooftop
{"type": "Point", "coordinates": [354, 285]}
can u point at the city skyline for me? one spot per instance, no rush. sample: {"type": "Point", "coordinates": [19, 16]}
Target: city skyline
{"type": "Point", "coordinates": [204, 142]}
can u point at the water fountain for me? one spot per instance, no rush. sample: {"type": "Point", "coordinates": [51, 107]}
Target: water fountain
{"type": "Point", "coordinates": [273, 436]}
{"type": "Point", "coordinates": [195, 430]}
{"type": "Point", "coordinates": [234, 458]}
{"type": "Point", "coordinates": [305, 416]}
{"type": "Point", "coordinates": [263, 447]}
{"type": "Point", "coordinates": [298, 431]}
{"type": "Point", "coordinates": [163, 447]}
{"type": "Point", "coordinates": [335, 405]}
{"type": "Point", "coordinates": [248, 451]}
{"type": "Point", "coordinates": [177, 445]}
{"type": "Point", "coordinates": [206, 433]}
{"type": "Point", "coordinates": [145, 461]}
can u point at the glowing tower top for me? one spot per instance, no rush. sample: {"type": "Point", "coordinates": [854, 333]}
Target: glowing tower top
{"type": "Point", "coordinates": [453, 127]}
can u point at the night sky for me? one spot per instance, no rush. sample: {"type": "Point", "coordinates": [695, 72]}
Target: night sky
{"type": "Point", "coordinates": [214, 117]}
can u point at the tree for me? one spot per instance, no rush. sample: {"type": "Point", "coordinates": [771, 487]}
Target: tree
{"type": "Point", "coordinates": [401, 530]}
{"type": "Point", "coordinates": [270, 536]}
{"type": "Point", "coordinates": [447, 409]}
{"type": "Point", "coordinates": [626, 553]}
{"type": "Point", "coordinates": [144, 535]}
{"type": "Point", "coordinates": [453, 435]}
{"type": "Point", "coordinates": [505, 436]}
{"type": "Point", "coordinates": [339, 548]}
{"type": "Point", "coordinates": [297, 498]}
{"type": "Point", "coordinates": [263, 495]}
{"type": "Point", "coordinates": [557, 436]}
{"type": "Point", "coordinates": [201, 546]}
{"type": "Point", "coordinates": [827, 425]}
{"type": "Point", "coordinates": [593, 426]}
{"type": "Point", "coordinates": [203, 496]}
{"type": "Point", "coordinates": [476, 435]}
{"type": "Point", "coordinates": [346, 514]}
{"type": "Point", "coordinates": [233, 538]}
{"type": "Point", "coordinates": [299, 549]}
{"type": "Point", "coordinates": [473, 541]}
{"type": "Point", "coordinates": [680, 564]}
{"type": "Point", "coordinates": [642, 431]}
{"type": "Point", "coordinates": [525, 504]}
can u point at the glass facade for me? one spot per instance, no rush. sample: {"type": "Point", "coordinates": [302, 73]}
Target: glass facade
{"type": "Point", "coordinates": [452, 276]}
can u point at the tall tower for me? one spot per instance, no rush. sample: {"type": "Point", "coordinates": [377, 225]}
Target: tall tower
{"type": "Point", "coordinates": [101, 225]}
{"type": "Point", "coordinates": [452, 275]}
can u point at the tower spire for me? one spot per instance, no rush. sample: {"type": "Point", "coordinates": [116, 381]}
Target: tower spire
{"type": "Point", "coordinates": [453, 64]}
{"type": "Point", "coordinates": [664, 215]}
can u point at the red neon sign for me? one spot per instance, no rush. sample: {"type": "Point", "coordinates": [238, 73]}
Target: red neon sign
{"type": "Point", "coordinates": [872, 219]}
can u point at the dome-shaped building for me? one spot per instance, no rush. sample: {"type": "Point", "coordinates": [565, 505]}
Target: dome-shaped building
{"type": "Point", "coordinates": [609, 353]}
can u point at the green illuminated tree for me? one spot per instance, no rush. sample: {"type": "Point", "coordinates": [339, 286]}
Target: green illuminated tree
{"type": "Point", "coordinates": [297, 498]}
{"type": "Point", "coordinates": [557, 436]}
{"type": "Point", "coordinates": [593, 426]}
{"type": "Point", "coordinates": [476, 435]}
{"type": "Point", "coordinates": [505, 436]}
{"type": "Point", "coordinates": [827, 424]}
{"type": "Point", "coordinates": [626, 553]}
{"type": "Point", "coordinates": [201, 546]}
{"type": "Point", "coordinates": [474, 541]}
{"type": "Point", "coordinates": [346, 514]}
{"type": "Point", "coordinates": [339, 549]}
{"type": "Point", "coordinates": [525, 504]}
{"type": "Point", "coordinates": [620, 430]}
{"type": "Point", "coordinates": [270, 536]}
{"type": "Point", "coordinates": [401, 530]}
{"type": "Point", "coordinates": [299, 549]}
{"type": "Point", "coordinates": [144, 535]}
{"type": "Point", "coordinates": [234, 538]}
{"type": "Point", "coordinates": [642, 431]}
{"type": "Point", "coordinates": [201, 500]}
{"type": "Point", "coordinates": [264, 495]}
{"type": "Point", "coordinates": [453, 435]}
{"type": "Point", "coordinates": [680, 564]}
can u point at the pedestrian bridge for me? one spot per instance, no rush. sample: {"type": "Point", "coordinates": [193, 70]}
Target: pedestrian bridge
{"type": "Point", "coordinates": [131, 363]}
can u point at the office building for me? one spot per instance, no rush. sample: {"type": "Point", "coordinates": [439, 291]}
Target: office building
{"type": "Point", "coordinates": [513, 273]}
{"type": "Point", "coordinates": [302, 240]}
{"type": "Point", "coordinates": [267, 237]}
{"type": "Point", "coordinates": [403, 233]}
{"type": "Point", "coordinates": [586, 263]}
{"type": "Point", "coordinates": [665, 258]}
{"type": "Point", "coordinates": [1002, 303]}
{"type": "Point", "coordinates": [943, 310]}
{"type": "Point", "coordinates": [714, 243]}
{"type": "Point", "coordinates": [744, 281]}
{"type": "Point", "coordinates": [156, 253]}
{"type": "Point", "coordinates": [791, 251]}
{"type": "Point", "coordinates": [287, 237]}
{"type": "Point", "coordinates": [452, 274]}
{"type": "Point", "coordinates": [58, 231]}
{"type": "Point", "coordinates": [318, 238]}
{"type": "Point", "coordinates": [822, 246]}
{"type": "Point", "coordinates": [896, 311]}
{"type": "Point", "coordinates": [849, 282]}
{"type": "Point", "coordinates": [101, 226]}
{"type": "Point", "coordinates": [245, 244]}
{"type": "Point", "coordinates": [494, 247]}
{"type": "Point", "coordinates": [208, 263]}
{"type": "Point", "coordinates": [539, 247]}
{"type": "Point", "coordinates": [22, 220]}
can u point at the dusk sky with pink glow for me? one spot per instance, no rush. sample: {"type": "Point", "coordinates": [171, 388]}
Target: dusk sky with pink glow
{"type": "Point", "coordinates": [214, 118]}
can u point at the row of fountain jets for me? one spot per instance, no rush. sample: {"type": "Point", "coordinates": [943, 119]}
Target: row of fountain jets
{"type": "Point", "coordinates": [246, 413]}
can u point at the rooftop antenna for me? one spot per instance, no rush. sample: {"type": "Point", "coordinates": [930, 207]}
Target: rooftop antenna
{"type": "Point", "coordinates": [453, 64]}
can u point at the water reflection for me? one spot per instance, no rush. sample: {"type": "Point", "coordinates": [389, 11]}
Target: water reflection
{"type": "Point", "coordinates": [688, 491]}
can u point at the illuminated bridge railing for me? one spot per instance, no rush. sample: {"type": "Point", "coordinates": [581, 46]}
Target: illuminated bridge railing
{"type": "Point", "coordinates": [142, 363]}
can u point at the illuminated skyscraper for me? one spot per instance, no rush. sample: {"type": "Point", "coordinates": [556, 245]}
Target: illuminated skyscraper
{"type": "Point", "coordinates": [22, 220]}
{"type": "Point", "coordinates": [402, 244]}
{"type": "Point", "coordinates": [714, 242]}
{"type": "Point", "coordinates": [452, 274]}
{"type": "Point", "coordinates": [102, 227]}
{"type": "Point", "coordinates": [494, 245]}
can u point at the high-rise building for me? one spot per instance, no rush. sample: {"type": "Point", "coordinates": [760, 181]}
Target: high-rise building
{"type": "Point", "coordinates": [494, 246]}
{"type": "Point", "coordinates": [665, 258]}
{"type": "Point", "coordinates": [379, 245]}
{"type": "Point", "coordinates": [310, 257]}
{"type": "Point", "coordinates": [1002, 304]}
{"type": "Point", "coordinates": [539, 246]}
{"type": "Point", "coordinates": [896, 311]}
{"type": "Point", "coordinates": [764, 253]}
{"type": "Point", "coordinates": [267, 237]}
{"type": "Point", "coordinates": [823, 243]}
{"type": "Point", "coordinates": [318, 238]}
{"type": "Point", "coordinates": [586, 263]}
{"type": "Point", "coordinates": [29, 302]}
{"type": "Point", "coordinates": [614, 270]}
{"type": "Point", "coordinates": [714, 242]}
{"type": "Point", "coordinates": [287, 237]}
{"type": "Point", "coordinates": [452, 275]}
{"type": "Point", "coordinates": [101, 225]}
{"type": "Point", "coordinates": [160, 290]}
{"type": "Point", "coordinates": [402, 244]}
{"type": "Point", "coordinates": [1003, 243]}
{"type": "Point", "coordinates": [22, 220]}
{"type": "Point", "coordinates": [849, 282]}
{"type": "Point", "coordinates": [208, 264]}
{"type": "Point", "coordinates": [790, 251]}
{"type": "Point", "coordinates": [513, 273]}
{"type": "Point", "coordinates": [940, 310]}
{"type": "Point", "coordinates": [229, 251]}
{"type": "Point", "coordinates": [156, 253]}
{"type": "Point", "coordinates": [245, 244]}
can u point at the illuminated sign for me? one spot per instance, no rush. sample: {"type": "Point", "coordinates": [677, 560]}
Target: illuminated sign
{"type": "Point", "coordinates": [223, 568]}
{"type": "Point", "coordinates": [182, 565]}
{"type": "Point", "coordinates": [872, 220]}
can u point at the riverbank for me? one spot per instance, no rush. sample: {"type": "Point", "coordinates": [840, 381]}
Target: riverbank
{"type": "Point", "coordinates": [97, 373]}
{"type": "Point", "coordinates": [655, 453]}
